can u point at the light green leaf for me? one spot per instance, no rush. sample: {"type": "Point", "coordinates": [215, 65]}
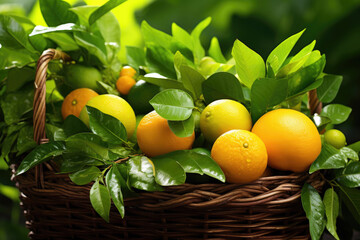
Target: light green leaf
{"type": "Point", "coordinates": [277, 57]}
{"type": "Point", "coordinates": [192, 80]}
{"type": "Point", "coordinates": [249, 65]}
{"type": "Point", "coordinates": [355, 146]}
{"type": "Point", "coordinates": [135, 56]}
{"type": "Point", "coordinates": [63, 40]}
{"type": "Point", "coordinates": [101, 11]}
{"type": "Point", "coordinates": [349, 153]}
{"type": "Point", "coordinates": [215, 51]}
{"type": "Point", "coordinates": [173, 104]}
{"type": "Point", "coordinates": [100, 200]}
{"type": "Point", "coordinates": [67, 27]}
{"type": "Point", "coordinates": [329, 158]}
{"type": "Point", "coordinates": [336, 112]}
{"type": "Point", "coordinates": [160, 60]}
{"type": "Point", "coordinates": [331, 203]}
{"type": "Point", "coordinates": [161, 81]}
{"type": "Point", "coordinates": [182, 36]}
{"type": "Point", "coordinates": [154, 36]}
{"type": "Point", "coordinates": [198, 50]}
{"type": "Point", "coordinates": [183, 128]}
{"type": "Point", "coordinates": [306, 50]}
{"type": "Point", "coordinates": [93, 44]}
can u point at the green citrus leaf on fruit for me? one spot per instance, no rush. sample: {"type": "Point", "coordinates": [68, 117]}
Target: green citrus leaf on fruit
{"type": "Point", "coordinates": [100, 200]}
{"type": "Point", "coordinates": [314, 209]}
{"type": "Point", "coordinates": [109, 128]}
{"type": "Point", "coordinates": [141, 174]}
{"type": "Point", "coordinates": [168, 172]}
{"type": "Point", "coordinates": [331, 204]}
{"type": "Point", "coordinates": [40, 154]}
{"type": "Point", "coordinates": [183, 128]}
{"type": "Point", "coordinates": [73, 125]}
{"type": "Point", "coordinates": [329, 158]}
{"type": "Point", "coordinates": [173, 104]}
{"type": "Point", "coordinates": [349, 153]}
{"type": "Point", "coordinates": [336, 112]}
{"type": "Point", "coordinates": [350, 176]}
{"type": "Point", "coordinates": [115, 182]}
{"type": "Point", "coordinates": [222, 85]}
{"type": "Point", "coordinates": [249, 65]}
{"type": "Point", "coordinates": [162, 81]}
{"type": "Point", "coordinates": [85, 176]}
{"type": "Point", "coordinates": [192, 80]}
{"type": "Point", "coordinates": [277, 57]}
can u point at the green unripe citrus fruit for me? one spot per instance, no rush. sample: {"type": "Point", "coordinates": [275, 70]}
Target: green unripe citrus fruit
{"type": "Point", "coordinates": [140, 95]}
{"type": "Point", "coordinates": [115, 106]}
{"type": "Point", "coordinates": [335, 138]}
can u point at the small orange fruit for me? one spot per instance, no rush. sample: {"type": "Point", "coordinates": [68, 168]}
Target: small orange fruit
{"type": "Point", "coordinates": [75, 101]}
{"type": "Point", "coordinates": [124, 84]}
{"type": "Point", "coordinates": [291, 138]}
{"type": "Point", "coordinates": [155, 137]}
{"type": "Point", "coordinates": [241, 155]}
{"type": "Point", "coordinates": [127, 71]}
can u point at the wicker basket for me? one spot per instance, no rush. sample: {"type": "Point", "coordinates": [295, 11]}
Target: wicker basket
{"type": "Point", "coordinates": [55, 208]}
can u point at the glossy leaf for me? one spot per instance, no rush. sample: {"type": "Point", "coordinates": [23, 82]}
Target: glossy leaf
{"type": "Point", "coordinates": [314, 209]}
{"type": "Point", "coordinates": [100, 200]}
{"type": "Point", "coordinates": [306, 50]}
{"type": "Point", "coordinates": [331, 203]}
{"type": "Point", "coordinates": [109, 128]}
{"type": "Point", "coordinates": [93, 44]}
{"type": "Point", "coordinates": [329, 158]}
{"type": "Point", "coordinates": [85, 176]}
{"type": "Point", "coordinates": [328, 90]}
{"type": "Point", "coordinates": [173, 104]}
{"type": "Point", "coordinates": [215, 51]}
{"type": "Point", "coordinates": [115, 182]}
{"type": "Point", "coordinates": [73, 125]}
{"type": "Point", "coordinates": [162, 81]}
{"type": "Point", "coordinates": [265, 93]}
{"type": "Point", "coordinates": [192, 80]}
{"type": "Point", "coordinates": [73, 162]}
{"type": "Point", "coordinates": [8, 143]}
{"type": "Point", "coordinates": [222, 85]}
{"type": "Point", "coordinates": [101, 11]}
{"type": "Point", "coordinates": [141, 174]}
{"type": "Point", "coordinates": [180, 61]}
{"type": "Point", "coordinates": [350, 176]}
{"type": "Point", "coordinates": [160, 59]}
{"type": "Point", "coordinates": [198, 50]}
{"type": "Point", "coordinates": [349, 153]}
{"type": "Point", "coordinates": [67, 27]}
{"type": "Point", "coordinates": [168, 172]}
{"type": "Point", "coordinates": [249, 65]}
{"type": "Point", "coordinates": [40, 154]}
{"type": "Point", "coordinates": [277, 57]}
{"type": "Point", "coordinates": [320, 121]}
{"type": "Point", "coordinates": [63, 40]}
{"type": "Point", "coordinates": [135, 56]}
{"type": "Point", "coordinates": [355, 146]}
{"type": "Point", "coordinates": [351, 198]}
{"type": "Point", "coordinates": [336, 112]}
{"type": "Point", "coordinates": [183, 128]}
{"type": "Point", "coordinates": [56, 12]}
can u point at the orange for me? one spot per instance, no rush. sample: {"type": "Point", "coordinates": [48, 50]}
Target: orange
{"type": "Point", "coordinates": [155, 137]}
{"type": "Point", "coordinates": [75, 101]}
{"type": "Point", "coordinates": [241, 155]}
{"type": "Point", "coordinates": [127, 71]}
{"type": "Point", "coordinates": [124, 84]}
{"type": "Point", "coordinates": [291, 138]}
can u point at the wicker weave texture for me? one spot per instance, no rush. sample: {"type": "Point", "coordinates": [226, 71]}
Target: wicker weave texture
{"type": "Point", "coordinates": [268, 208]}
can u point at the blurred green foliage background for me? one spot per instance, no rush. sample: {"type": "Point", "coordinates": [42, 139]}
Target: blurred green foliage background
{"type": "Point", "coordinates": [260, 24]}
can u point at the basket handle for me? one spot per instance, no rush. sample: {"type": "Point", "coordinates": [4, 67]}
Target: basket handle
{"type": "Point", "coordinates": [39, 104]}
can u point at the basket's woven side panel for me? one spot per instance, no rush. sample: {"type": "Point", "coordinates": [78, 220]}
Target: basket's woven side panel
{"type": "Point", "coordinates": [269, 208]}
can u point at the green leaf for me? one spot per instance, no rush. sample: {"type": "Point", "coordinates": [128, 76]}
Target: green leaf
{"type": "Point", "coordinates": [179, 61]}
{"type": "Point", "coordinates": [168, 172]}
{"type": "Point", "coordinates": [349, 153]}
{"type": "Point", "coordinates": [154, 36]}
{"type": "Point", "coordinates": [350, 176]}
{"type": "Point", "coordinates": [173, 104]}
{"type": "Point", "coordinates": [63, 40]}
{"type": "Point", "coordinates": [10, 192]}
{"type": "Point", "coordinates": [314, 209]}
{"type": "Point", "coordinates": [249, 65]}
{"type": "Point", "coordinates": [40, 154]}
{"type": "Point", "coordinates": [109, 128]}
{"type": "Point", "coordinates": [303, 52]}
{"type": "Point", "coordinates": [89, 145]}
{"type": "Point", "coordinates": [215, 51]}
{"type": "Point", "coordinates": [183, 128]}
{"type": "Point", "coordinates": [277, 57]}
{"type": "Point", "coordinates": [182, 36]}
{"type": "Point", "coordinates": [329, 158]}
{"type": "Point", "coordinates": [292, 67]}
{"type": "Point", "coordinates": [101, 11]}
{"type": "Point", "coordinates": [135, 56]}
{"type": "Point", "coordinates": [56, 12]}
{"type": "Point", "coordinates": [351, 198]}
{"type": "Point", "coordinates": [331, 203]}
{"type": "Point", "coordinates": [198, 50]}
{"type": "Point", "coordinates": [160, 60]}
{"type": "Point", "coordinates": [73, 125]}
{"type": "Point", "coordinates": [161, 81]}
{"type": "Point", "coordinates": [8, 143]}
{"type": "Point", "coordinates": [336, 112]}
{"type": "Point", "coordinates": [85, 176]}
{"type": "Point", "coordinates": [115, 182]}
{"type": "Point", "coordinates": [192, 80]}
{"type": "Point", "coordinates": [100, 200]}
{"type": "Point", "coordinates": [13, 35]}
{"type": "Point", "coordinates": [328, 90]}
{"type": "Point", "coordinates": [67, 27]}
{"type": "Point", "coordinates": [141, 174]}
{"type": "Point", "coordinates": [73, 162]}
{"type": "Point", "coordinates": [93, 44]}
{"type": "Point", "coordinates": [222, 85]}
{"type": "Point", "coordinates": [25, 141]}
{"type": "Point", "coordinates": [265, 93]}
{"type": "Point", "coordinates": [18, 77]}
{"type": "Point", "coordinates": [320, 121]}
{"type": "Point", "coordinates": [303, 78]}
{"type": "Point", "coordinates": [355, 146]}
